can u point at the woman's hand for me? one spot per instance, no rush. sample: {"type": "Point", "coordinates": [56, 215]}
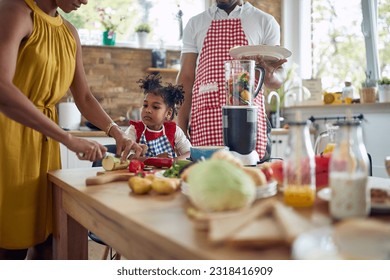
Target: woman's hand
{"type": "Point", "coordinates": [86, 149]}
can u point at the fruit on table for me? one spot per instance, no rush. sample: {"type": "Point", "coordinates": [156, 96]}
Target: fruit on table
{"type": "Point", "coordinates": [165, 185]}
{"type": "Point", "coordinates": [256, 174]}
{"type": "Point", "coordinates": [277, 169]}
{"type": "Point", "coordinates": [136, 166]}
{"type": "Point", "coordinates": [159, 162]}
{"type": "Point", "coordinates": [267, 170]}
{"type": "Point", "coordinates": [140, 185]}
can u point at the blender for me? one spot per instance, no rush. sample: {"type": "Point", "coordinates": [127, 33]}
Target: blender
{"type": "Point", "coordinates": [239, 115]}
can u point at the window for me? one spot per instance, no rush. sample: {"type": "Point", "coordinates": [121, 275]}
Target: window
{"type": "Point", "coordinates": [166, 17]}
{"type": "Point", "coordinates": [331, 33]}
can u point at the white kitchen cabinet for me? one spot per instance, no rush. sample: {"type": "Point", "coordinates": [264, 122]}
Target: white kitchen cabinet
{"type": "Point", "coordinates": [70, 160]}
{"type": "Point", "coordinates": [279, 144]}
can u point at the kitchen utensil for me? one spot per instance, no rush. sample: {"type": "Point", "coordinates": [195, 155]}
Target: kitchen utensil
{"type": "Point", "coordinates": [108, 178]}
{"type": "Point", "coordinates": [271, 53]}
{"type": "Point", "coordinates": [239, 117]}
{"type": "Point", "coordinates": [205, 152]}
{"type": "Point", "coordinates": [240, 82]}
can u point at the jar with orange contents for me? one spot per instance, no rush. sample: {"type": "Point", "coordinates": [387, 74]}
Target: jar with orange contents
{"type": "Point", "coordinates": [299, 166]}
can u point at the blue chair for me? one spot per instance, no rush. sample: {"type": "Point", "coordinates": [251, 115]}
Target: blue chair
{"type": "Point", "coordinates": [108, 250]}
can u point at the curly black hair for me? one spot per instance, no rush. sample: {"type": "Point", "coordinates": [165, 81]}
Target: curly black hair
{"type": "Point", "coordinates": [173, 95]}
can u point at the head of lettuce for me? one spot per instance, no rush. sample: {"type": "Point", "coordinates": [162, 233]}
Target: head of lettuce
{"type": "Point", "coordinates": [218, 185]}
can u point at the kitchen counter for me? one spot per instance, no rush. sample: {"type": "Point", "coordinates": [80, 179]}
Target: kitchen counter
{"type": "Point", "coordinates": [85, 131]}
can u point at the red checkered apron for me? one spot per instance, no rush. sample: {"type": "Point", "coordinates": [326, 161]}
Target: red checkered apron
{"type": "Point", "coordinates": [209, 87]}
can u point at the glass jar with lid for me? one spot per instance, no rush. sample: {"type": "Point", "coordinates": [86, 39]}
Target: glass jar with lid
{"type": "Point", "coordinates": [299, 166]}
{"type": "Point", "coordinates": [348, 175]}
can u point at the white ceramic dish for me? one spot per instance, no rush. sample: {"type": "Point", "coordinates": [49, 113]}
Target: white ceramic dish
{"type": "Point", "coordinates": [271, 53]}
{"type": "Point", "coordinates": [316, 244]}
{"type": "Point", "coordinates": [326, 193]}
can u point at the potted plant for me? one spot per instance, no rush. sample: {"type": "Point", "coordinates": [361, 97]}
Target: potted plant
{"type": "Point", "coordinates": [142, 30]}
{"type": "Point", "coordinates": [110, 24]}
{"type": "Point", "coordinates": [384, 89]}
{"type": "Point", "coordinates": [368, 91]}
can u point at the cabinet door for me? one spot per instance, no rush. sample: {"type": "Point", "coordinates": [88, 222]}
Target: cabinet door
{"type": "Point", "coordinates": [70, 160]}
{"type": "Point", "coordinates": [279, 143]}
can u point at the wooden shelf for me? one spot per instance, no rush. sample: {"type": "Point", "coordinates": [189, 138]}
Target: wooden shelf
{"type": "Point", "coordinates": [162, 70]}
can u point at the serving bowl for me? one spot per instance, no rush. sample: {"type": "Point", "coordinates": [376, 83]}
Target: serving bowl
{"type": "Point", "coordinates": [205, 152]}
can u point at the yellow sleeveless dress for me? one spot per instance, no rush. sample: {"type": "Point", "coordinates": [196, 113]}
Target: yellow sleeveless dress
{"type": "Point", "coordinates": [44, 71]}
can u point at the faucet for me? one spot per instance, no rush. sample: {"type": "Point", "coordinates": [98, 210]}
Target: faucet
{"type": "Point", "coordinates": [276, 116]}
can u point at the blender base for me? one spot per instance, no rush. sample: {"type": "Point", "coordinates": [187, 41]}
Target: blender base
{"type": "Point", "coordinates": [250, 159]}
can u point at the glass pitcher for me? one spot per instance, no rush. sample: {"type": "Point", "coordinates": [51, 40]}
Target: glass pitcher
{"type": "Point", "coordinates": [326, 141]}
{"type": "Point", "coordinates": [240, 82]}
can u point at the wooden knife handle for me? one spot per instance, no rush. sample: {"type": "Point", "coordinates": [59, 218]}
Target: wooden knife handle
{"type": "Point", "coordinates": [107, 178]}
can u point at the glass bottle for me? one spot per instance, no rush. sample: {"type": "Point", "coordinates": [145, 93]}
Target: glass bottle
{"type": "Point", "coordinates": [299, 167]}
{"type": "Point", "coordinates": [347, 93]}
{"type": "Point", "coordinates": [348, 173]}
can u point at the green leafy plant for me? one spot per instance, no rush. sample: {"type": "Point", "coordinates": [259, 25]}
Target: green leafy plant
{"type": "Point", "coordinates": [384, 81]}
{"type": "Point", "coordinates": [106, 18]}
{"type": "Point", "coordinates": [143, 27]}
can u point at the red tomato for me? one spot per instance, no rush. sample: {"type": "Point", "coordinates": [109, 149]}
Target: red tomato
{"type": "Point", "coordinates": [277, 169]}
{"type": "Point", "coordinates": [136, 166]}
{"type": "Point", "coordinates": [267, 170]}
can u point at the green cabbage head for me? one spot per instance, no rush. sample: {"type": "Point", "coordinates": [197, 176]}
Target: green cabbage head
{"type": "Point", "coordinates": [217, 185]}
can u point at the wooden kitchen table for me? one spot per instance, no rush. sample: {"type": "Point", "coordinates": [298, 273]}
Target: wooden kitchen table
{"type": "Point", "coordinates": [139, 226]}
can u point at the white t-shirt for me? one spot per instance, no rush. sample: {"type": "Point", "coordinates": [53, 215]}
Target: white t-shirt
{"type": "Point", "coordinates": [182, 144]}
{"type": "Point", "coordinates": [259, 27]}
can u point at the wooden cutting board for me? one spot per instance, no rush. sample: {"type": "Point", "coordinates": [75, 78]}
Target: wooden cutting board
{"type": "Point", "coordinates": [266, 223]}
{"type": "Point", "coordinates": [104, 177]}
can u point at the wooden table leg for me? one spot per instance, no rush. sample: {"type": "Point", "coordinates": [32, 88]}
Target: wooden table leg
{"type": "Point", "coordinates": [70, 241]}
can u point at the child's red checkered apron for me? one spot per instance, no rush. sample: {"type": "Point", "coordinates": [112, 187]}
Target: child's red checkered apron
{"type": "Point", "coordinates": [208, 95]}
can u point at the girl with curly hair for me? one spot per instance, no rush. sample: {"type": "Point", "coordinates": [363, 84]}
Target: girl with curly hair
{"type": "Point", "coordinates": [156, 129]}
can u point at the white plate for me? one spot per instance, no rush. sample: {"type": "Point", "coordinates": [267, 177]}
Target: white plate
{"type": "Point", "coordinates": [160, 174]}
{"type": "Point", "coordinates": [270, 53]}
{"type": "Point", "coordinates": [316, 244]}
{"type": "Point", "coordinates": [261, 192]}
{"type": "Point", "coordinates": [326, 193]}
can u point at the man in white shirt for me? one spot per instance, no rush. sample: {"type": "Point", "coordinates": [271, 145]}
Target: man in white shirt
{"type": "Point", "coordinates": [207, 40]}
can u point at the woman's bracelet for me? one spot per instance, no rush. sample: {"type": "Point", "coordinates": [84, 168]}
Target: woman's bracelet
{"type": "Point", "coordinates": [108, 129]}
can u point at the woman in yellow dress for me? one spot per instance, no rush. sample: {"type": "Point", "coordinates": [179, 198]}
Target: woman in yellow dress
{"type": "Point", "coordinates": [40, 59]}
